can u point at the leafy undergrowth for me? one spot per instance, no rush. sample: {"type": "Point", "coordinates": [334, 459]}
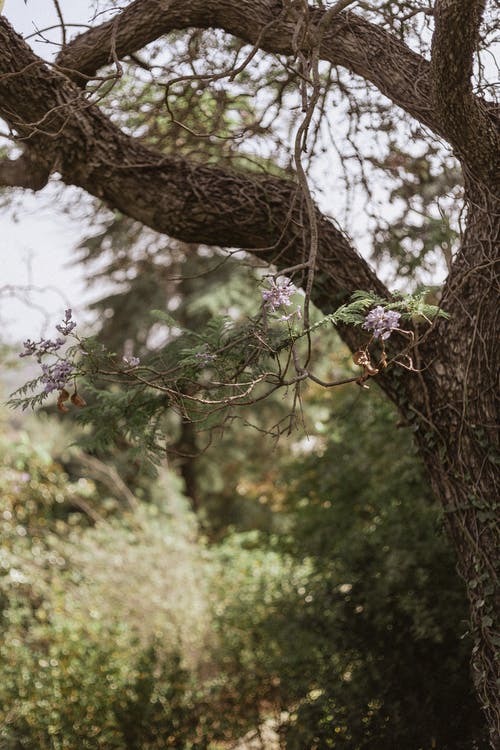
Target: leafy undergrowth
{"type": "Point", "coordinates": [115, 624]}
{"type": "Point", "coordinates": [123, 628]}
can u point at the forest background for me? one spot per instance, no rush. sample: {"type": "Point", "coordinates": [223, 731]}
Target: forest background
{"type": "Point", "coordinates": [183, 601]}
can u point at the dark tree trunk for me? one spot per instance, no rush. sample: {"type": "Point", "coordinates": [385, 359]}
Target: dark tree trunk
{"type": "Point", "coordinates": [186, 451]}
{"type": "Point", "coordinates": [458, 432]}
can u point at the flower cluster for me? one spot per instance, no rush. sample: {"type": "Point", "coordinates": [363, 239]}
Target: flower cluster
{"type": "Point", "coordinates": [131, 361]}
{"type": "Point", "coordinates": [56, 376]}
{"type": "Point", "coordinates": [381, 322]}
{"type": "Point", "coordinates": [67, 325]}
{"type": "Point", "coordinates": [278, 295]}
{"type": "Point", "coordinates": [48, 346]}
{"type": "Point", "coordinates": [39, 348]}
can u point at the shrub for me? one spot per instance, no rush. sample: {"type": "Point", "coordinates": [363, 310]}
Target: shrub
{"type": "Point", "coordinates": [67, 686]}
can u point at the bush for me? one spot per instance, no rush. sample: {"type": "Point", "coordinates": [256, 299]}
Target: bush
{"type": "Point", "coordinates": [132, 632]}
{"type": "Point", "coordinates": [93, 638]}
{"type": "Point", "coordinates": [125, 632]}
{"type": "Point", "coordinates": [66, 686]}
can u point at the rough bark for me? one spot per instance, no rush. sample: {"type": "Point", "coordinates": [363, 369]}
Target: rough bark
{"type": "Point", "coordinates": [452, 402]}
{"type": "Point", "coordinates": [349, 40]}
{"type": "Point", "coordinates": [458, 432]}
{"type": "Point", "coordinates": [469, 124]}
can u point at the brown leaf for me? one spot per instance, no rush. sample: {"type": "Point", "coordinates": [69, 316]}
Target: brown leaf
{"type": "Point", "coordinates": [78, 401]}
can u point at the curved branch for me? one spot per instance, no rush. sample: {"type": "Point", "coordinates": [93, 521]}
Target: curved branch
{"type": "Point", "coordinates": [189, 201]}
{"type": "Point", "coordinates": [438, 95]}
{"type": "Point", "coordinates": [195, 203]}
{"type": "Point", "coordinates": [347, 40]}
{"type": "Point", "coordinates": [464, 118]}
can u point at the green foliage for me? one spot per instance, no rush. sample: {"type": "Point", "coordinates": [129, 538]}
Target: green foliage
{"type": "Point", "coordinates": [380, 659]}
{"type": "Point", "coordinates": [37, 496]}
{"type": "Point", "coordinates": [93, 687]}
{"type": "Point", "coordinates": [409, 305]}
{"type": "Point", "coordinates": [114, 634]}
{"type": "Point", "coordinates": [71, 676]}
{"type": "Point", "coordinates": [352, 619]}
{"type": "Point", "coordinates": [225, 363]}
{"type": "Point", "coordinates": [129, 630]}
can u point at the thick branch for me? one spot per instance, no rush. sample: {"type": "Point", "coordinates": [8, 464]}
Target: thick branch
{"type": "Point", "coordinates": [191, 202]}
{"type": "Point", "coordinates": [469, 125]}
{"type": "Point", "coordinates": [40, 107]}
{"type": "Point", "coordinates": [24, 172]}
{"type": "Point", "coordinates": [348, 40]}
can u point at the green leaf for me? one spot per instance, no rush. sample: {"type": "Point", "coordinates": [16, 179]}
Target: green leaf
{"type": "Point", "coordinates": [165, 317]}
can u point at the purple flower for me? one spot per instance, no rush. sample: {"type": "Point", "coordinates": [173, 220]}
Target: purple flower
{"type": "Point", "coordinates": [47, 346]}
{"type": "Point", "coordinates": [131, 361]}
{"type": "Point", "coordinates": [29, 348]}
{"type": "Point", "coordinates": [381, 322]}
{"type": "Point", "coordinates": [67, 325]}
{"type": "Point", "coordinates": [44, 346]}
{"type": "Point", "coordinates": [56, 376]}
{"type": "Point", "coordinates": [278, 295]}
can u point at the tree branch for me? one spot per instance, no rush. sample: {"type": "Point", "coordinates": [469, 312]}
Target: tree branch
{"type": "Point", "coordinates": [195, 203]}
{"type": "Point", "coordinates": [192, 202]}
{"type": "Point", "coordinates": [24, 172]}
{"type": "Point", "coordinates": [347, 40]}
{"type": "Point", "coordinates": [466, 121]}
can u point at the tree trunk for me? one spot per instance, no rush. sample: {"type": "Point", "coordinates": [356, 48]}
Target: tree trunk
{"type": "Point", "coordinates": [186, 451]}
{"type": "Point", "coordinates": [457, 432]}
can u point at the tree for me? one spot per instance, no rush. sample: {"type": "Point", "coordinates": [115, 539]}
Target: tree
{"type": "Point", "coordinates": [451, 403]}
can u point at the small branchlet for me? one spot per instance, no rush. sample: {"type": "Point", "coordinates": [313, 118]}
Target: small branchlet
{"type": "Point", "coordinates": [57, 369]}
{"type": "Point", "coordinates": [230, 364]}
